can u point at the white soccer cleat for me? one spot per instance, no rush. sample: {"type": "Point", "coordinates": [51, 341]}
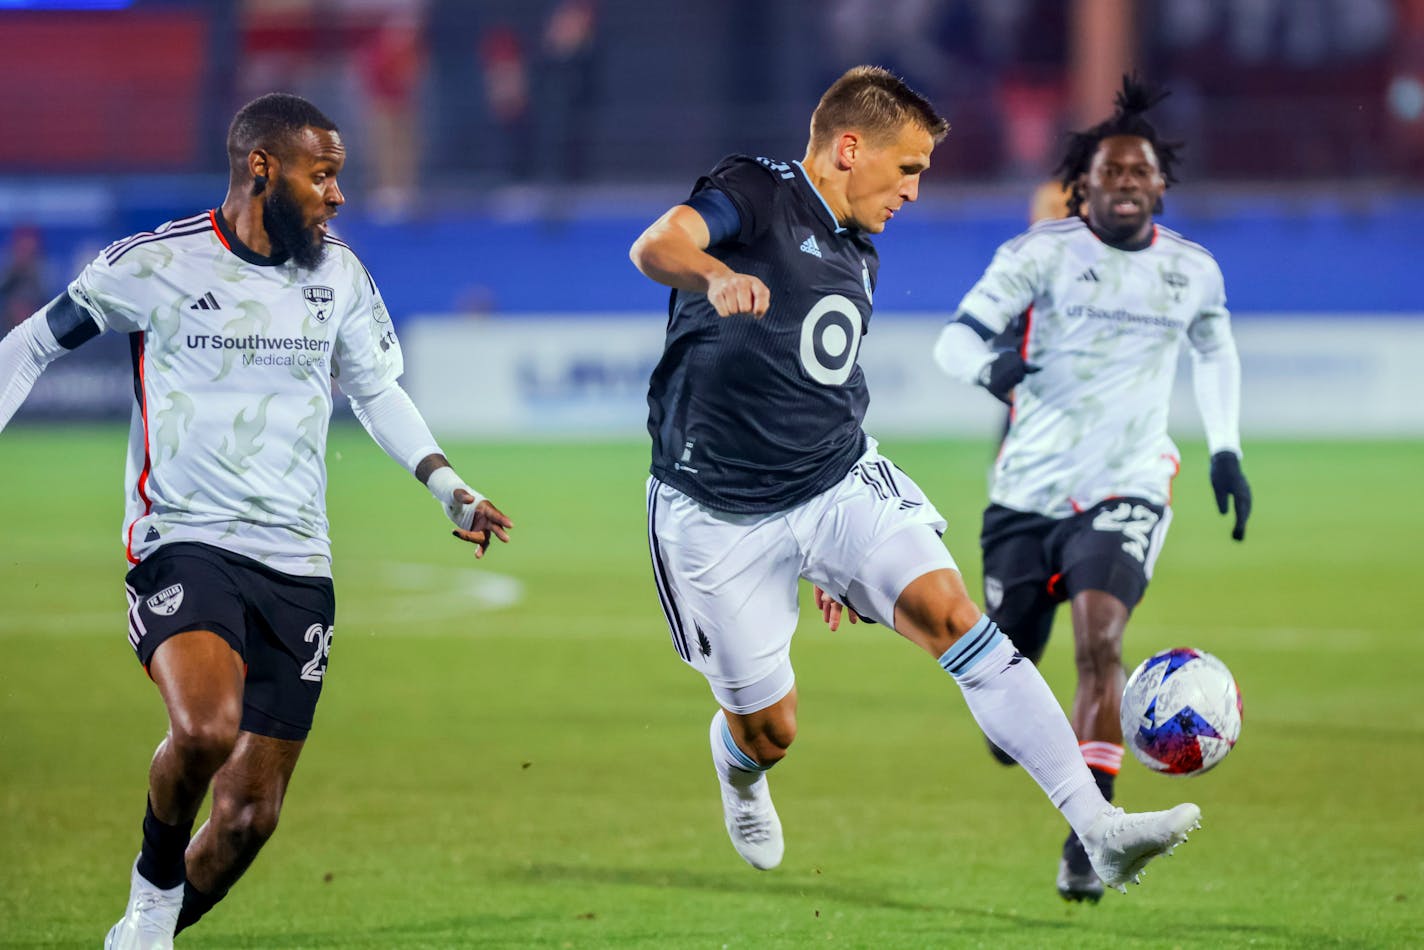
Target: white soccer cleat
{"type": "Point", "coordinates": [150, 920]}
{"type": "Point", "coordinates": [753, 825]}
{"type": "Point", "coordinates": [1120, 844]}
{"type": "Point", "coordinates": [751, 818]}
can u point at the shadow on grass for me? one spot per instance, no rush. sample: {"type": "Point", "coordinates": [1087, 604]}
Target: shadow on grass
{"type": "Point", "coordinates": [925, 924]}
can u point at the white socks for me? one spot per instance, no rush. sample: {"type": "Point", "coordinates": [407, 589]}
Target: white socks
{"type": "Point", "coordinates": [734, 766]}
{"type": "Point", "coordinates": [1019, 714]}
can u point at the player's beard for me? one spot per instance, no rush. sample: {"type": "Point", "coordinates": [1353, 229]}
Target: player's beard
{"type": "Point", "coordinates": [287, 231]}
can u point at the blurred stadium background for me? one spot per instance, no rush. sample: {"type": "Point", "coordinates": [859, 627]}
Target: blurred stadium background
{"type": "Point", "coordinates": [503, 156]}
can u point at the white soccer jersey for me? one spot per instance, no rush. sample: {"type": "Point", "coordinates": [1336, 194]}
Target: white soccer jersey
{"type": "Point", "coordinates": [1106, 326]}
{"type": "Point", "coordinates": [233, 361]}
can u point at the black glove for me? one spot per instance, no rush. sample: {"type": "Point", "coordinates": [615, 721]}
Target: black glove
{"type": "Point", "coordinates": [1228, 482]}
{"type": "Point", "coordinates": [1005, 371]}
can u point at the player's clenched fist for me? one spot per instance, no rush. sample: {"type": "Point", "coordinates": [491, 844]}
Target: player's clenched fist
{"type": "Point", "coordinates": [738, 293]}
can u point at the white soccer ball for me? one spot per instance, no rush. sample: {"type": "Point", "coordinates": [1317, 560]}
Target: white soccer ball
{"type": "Point", "coordinates": [1181, 712]}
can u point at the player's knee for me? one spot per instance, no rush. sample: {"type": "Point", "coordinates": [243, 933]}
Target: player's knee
{"type": "Point", "coordinates": [259, 820]}
{"type": "Point", "coordinates": [202, 745]}
{"type": "Point", "coordinates": [771, 740]}
{"type": "Point", "coordinates": [248, 823]}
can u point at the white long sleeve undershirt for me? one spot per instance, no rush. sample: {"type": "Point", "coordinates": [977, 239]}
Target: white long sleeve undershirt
{"type": "Point", "coordinates": [397, 426]}
{"type": "Point", "coordinates": [24, 353]}
{"type": "Point", "coordinates": [1216, 381]}
{"type": "Point", "coordinates": [962, 353]}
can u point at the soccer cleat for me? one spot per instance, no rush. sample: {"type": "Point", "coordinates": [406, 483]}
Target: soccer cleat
{"type": "Point", "coordinates": [1077, 881]}
{"type": "Point", "coordinates": [751, 818]}
{"type": "Point", "coordinates": [1120, 844]}
{"type": "Point", "coordinates": [150, 920]}
{"type": "Point", "coordinates": [752, 824]}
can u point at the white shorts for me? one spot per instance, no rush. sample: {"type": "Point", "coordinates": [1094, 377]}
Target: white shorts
{"type": "Point", "coordinates": [728, 582]}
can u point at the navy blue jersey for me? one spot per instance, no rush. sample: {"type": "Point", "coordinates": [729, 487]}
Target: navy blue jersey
{"type": "Point", "coordinates": [754, 415]}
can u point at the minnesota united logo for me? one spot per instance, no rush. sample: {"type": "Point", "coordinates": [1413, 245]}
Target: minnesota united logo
{"type": "Point", "coordinates": [865, 279]}
{"type": "Point", "coordinates": [319, 300]}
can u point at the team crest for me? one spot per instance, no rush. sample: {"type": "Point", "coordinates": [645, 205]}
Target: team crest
{"type": "Point", "coordinates": [319, 300]}
{"type": "Point", "coordinates": [993, 592]}
{"type": "Point", "coordinates": [166, 602]}
{"type": "Point", "coordinates": [865, 279]}
{"type": "Point", "coordinates": [1176, 284]}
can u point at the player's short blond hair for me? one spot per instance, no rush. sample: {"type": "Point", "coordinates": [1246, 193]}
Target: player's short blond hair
{"type": "Point", "coordinates": [874, 102]}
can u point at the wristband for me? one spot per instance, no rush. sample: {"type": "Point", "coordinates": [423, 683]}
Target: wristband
{"type": "Point", "coordinates": [443, 483]}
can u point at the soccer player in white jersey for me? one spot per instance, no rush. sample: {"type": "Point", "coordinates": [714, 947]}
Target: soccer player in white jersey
{"type": "Point", "coordinates": [239, 318]}
{"type": "Point", "coordinates": [762, 473]}
{"type": "Point", "coordinates": [1081, 492]}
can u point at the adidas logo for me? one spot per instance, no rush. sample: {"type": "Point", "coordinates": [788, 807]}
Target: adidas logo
{"type": "Point", "coordinates": [811, 247]}
{"type": "Point", "coordinates": [1090, 275]}
{"type": "Point", "coordinates": [206, 302]}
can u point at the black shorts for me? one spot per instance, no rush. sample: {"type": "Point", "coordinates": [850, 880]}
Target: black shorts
{"type": "Point", "coordinates": [280, 625]}
{"type": "Point", "coordinates": [1111, 547]}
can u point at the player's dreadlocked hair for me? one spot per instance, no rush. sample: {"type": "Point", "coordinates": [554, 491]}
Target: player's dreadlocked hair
{"type": "Point", "coordinates": [270, 122]}
{"type": "Point", "coordinates": [1132, 101]}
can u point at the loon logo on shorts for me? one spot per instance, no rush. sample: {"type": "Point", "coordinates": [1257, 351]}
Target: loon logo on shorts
{"type": "Point", "coordinates": [166, 602]}
{"type": "Point", "coordinates": [319, 300]}
{"type": "Point", "coordinates": [704, 645]}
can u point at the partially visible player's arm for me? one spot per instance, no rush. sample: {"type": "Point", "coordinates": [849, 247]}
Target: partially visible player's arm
{"type": "Point", "coordinates": [1006, 289]}
{"type": "Point", "coordinates": [1216, 380]}
{"type": "Point", "coordinates": [673, 252]}
{"type": "Point", "coordinates": [963, 352]}
{"type": "Point", "coordinates": [34, 344]}
{"type": "Point", "coordinates": [398, 427]}
{"type": "Point", "coordinates": [962, 349]}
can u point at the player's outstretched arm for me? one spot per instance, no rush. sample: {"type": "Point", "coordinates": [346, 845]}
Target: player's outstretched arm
{"type": "Point", "coordinates": [673, 252]}
{"type": "Point", "coordinates": [397, 426]}
{"type": "Point", "coordinates": [34, 344]}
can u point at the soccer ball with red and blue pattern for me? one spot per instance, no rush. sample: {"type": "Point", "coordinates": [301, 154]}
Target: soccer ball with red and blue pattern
{"type": "Point", "coordinates": [1181, 712]}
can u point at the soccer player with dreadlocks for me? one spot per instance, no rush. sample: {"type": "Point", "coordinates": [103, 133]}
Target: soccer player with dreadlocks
{"type": "Point", "coordinates": [1081, 492]}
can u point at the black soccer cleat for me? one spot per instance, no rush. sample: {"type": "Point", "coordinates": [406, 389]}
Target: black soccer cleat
{"type": "Point", "coordinates": [1077, 881]}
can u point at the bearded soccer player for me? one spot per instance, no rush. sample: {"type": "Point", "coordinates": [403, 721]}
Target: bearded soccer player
{"type": "Point", "coordinates": [1081, 492]}
{"type": "Point", "coordinates": [762, 474]}
{"type": "Point", "coordinates": [238, 318]}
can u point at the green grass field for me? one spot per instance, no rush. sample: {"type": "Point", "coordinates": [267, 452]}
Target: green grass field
{"type": "Point", "coordinates": [510, 754]}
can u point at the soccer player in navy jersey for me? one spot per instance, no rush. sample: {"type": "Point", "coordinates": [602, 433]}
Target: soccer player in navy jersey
{"type": "Point", "coordinates": [762, 474]}
{"type": "Point", "coordinates": [239, 318]}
